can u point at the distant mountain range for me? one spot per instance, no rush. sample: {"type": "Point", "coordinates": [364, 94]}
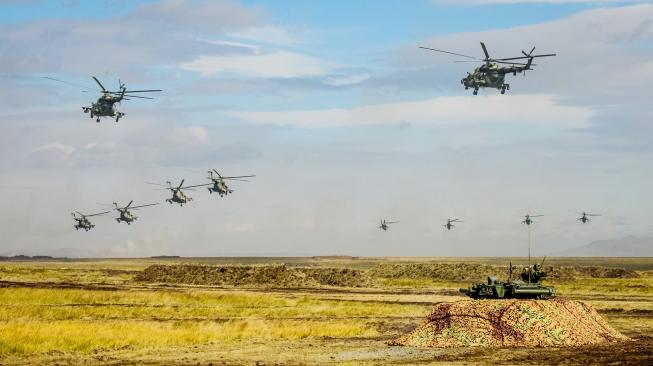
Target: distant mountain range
{"type": "Point", "coordinates": [630, 246]}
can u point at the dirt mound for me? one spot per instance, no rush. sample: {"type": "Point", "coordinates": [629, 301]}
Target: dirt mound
{"type": "Point", "coordinates": [511, 323]}
{"type": "Point", "coordinates": [478, 272]}
{"type": "Point", "coordinates": [570, 272]}
{"type": "Point", "coordinates": [269, 276]}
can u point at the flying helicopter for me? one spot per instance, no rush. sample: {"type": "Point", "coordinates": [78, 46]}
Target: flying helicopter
{"type": "Point", "coordinates": [492, 74]}
{"type": "Point", "coordinates": [106, 104]}
{"type": "Point", "coordinates": [178, 195]}
{"type": "Point", "coordinates": [384, 224]}
{"type": "Point", "coordinates": [449, 225]}
{"type": "Point", "coordinates": [219, 185]}
{"type": "Point", "coordinates": [528, 219]}
{"type": "Point", "coordinates": [82, 221]}
{"type": "Point", "coordinates": [585, 218]}
{"type": "Point", "coordinates": [125, 214]}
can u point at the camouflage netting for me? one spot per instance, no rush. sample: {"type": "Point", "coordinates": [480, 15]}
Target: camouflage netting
{"type": "Point", "coordinates": [511, 323]}
{"type": "Point", "coordinates": [270, 276]}
{"type": "Point", "coordinates": [479, 272]}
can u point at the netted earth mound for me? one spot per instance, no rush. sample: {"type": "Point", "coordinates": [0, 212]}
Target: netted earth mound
{"type": "Point", "coordinates": [270, 276]}
{"type": "Point", "coordinates": [478, 272]}
{"type": "Point", "coordinates": [511, 323]}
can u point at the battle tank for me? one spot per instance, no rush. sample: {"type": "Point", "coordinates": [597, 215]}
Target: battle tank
{"type": "Point", "coordinates": [529, 286]}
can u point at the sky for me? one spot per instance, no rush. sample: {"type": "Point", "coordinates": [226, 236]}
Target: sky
{"type": "Point", "coordinates": [340, 115]}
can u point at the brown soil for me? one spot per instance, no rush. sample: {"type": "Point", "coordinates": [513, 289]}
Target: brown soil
{"type": "Point", "coordinates": [512, 323]}
{"type": "Point", "coordinates": [478, 272]}
{"type": "Point", "coordinates": [272, 276]}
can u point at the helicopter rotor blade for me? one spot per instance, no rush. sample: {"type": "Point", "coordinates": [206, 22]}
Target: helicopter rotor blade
{"type": "Point", "coordinates": [487, 55]}
{"type": "Point", "coordinates": [524, 57]}
{"type": "Point", "coordinates": [99, 83]}
{"type": "Point", "coordinates": [97, 214]}
{"type": "Point", "coordinates": [129, 204]}
{"type": "Point", "coordinates": [134, 96]}
{"type": "Point", "coordinates": [151, 204]}
{"type": "Point", "coordinates": [69, 83]}
{"type": "Point", "coordinates": [510, 63]}
{"type": "Point", "coordinates": [216, 172]}
{"type": "Point", "coordinates": [239, 176]}
{"type": "Point", "coordinates": [156, 184]}
{"type": "Point", "coordinates": [143, 91]}
{"type": "Point", "coordinates": [451, 53]}
{"type": "Point", "coordinates": [180, 184]}
{"type": "Point", "coordinates": [197, 185]}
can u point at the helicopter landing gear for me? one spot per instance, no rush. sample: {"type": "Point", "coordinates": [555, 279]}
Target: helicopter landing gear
{"type": "Point", "coordinates": [118, 221]}
{"type": "Point", "coordinates": [505, 87]}
{"type": "Point", "coordinates": [119, 115]}
{"type": "Point", "coordinates": [97, 120]}
{"type": "Point", "coordinates": [475, 92]}
{"type": "Point", "coordinates": [210, 191]}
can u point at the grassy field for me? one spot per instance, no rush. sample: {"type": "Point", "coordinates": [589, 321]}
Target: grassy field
{"type": "Point", "coordinates": [94, 311]}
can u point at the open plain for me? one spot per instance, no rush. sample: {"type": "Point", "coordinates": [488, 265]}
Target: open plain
{"type": "Point", "coordinates": [298, 311]}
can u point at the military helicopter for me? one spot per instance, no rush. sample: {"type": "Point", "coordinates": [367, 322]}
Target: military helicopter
{"type": "Point", "coordinates": [528, 217]}
{"type": "Point", "coordinates": [384, 224]}
{"type": "Point", "coordinates": [106, 104]}
{"type": "Point", "coordinates": [491, 74]}
{"type": "Point", "coordinates": [586, 217]}
{"type": "Point", "coordinates": [219, 185]}
{"type": "Point", "coordinates": [125, 214]}
{"type": "Point", "coordinates": [82, 221]}
{"type": "Point", "coordinates": [178, 195]}
{"type": "Point", "coordinates": [449, 225]}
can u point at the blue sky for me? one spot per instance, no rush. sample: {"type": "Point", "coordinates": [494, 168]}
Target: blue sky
{"type": "Point", "coordinates": [343, 119]}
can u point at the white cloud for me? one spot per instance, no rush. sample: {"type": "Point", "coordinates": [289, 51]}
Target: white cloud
{"type": "Point", "coordinates": [56, 147]}
{"type": "Point", "coordinates": [495, 109]}
{"type": "Point", "coordinates": [266, 34]}
{"type": "Point", "coordinates": [343, 80]}
{"type": "Point", "coordinates": [188, 136]}
{"type": "Point", "coordinates": [280, 64]}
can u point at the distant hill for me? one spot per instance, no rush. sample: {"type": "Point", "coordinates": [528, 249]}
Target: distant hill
{"type": "Point", "coordinates": [630, 246]}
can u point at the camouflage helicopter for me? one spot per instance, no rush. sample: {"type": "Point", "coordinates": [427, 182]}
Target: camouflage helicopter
{"type": "Point", "coordinates": [528, 219]}
{"type": "Point", "coordinates": [585, 217]}
{"type": "Point", "coordinates": [125, 214]}
{"type": "Point", "coordinates": [106, 104]}
{"type": "Point", "coordinates": [491, 74]}
{"type": "Point", "coordinates": [449, 225]}
{"type": "Point", "coordinates": [82, 221]}
{"type": "Point", "coordinates": [219, 185]}
{"type": "Point", "coordinates": [178, 195]}
{"type": "Point", "coordinates": [384, 224]}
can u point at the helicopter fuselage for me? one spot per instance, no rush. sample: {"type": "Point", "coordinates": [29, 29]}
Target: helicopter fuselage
{"type": "Point", "coordinates": [178, 196]}
{"type": "Point", "coordinates": [105, 107]}
{"type": "Point", "coordinates": [219, 187]}
{"type": "Point", "coordinates": [126, 216]}
{"type": "Point", "coordinates": [489, 75]}
{"type": "Point", "coordinates": [83, 223]}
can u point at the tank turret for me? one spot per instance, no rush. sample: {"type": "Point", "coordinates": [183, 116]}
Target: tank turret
{"type": "Point", "coordinates": [529, 286]}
